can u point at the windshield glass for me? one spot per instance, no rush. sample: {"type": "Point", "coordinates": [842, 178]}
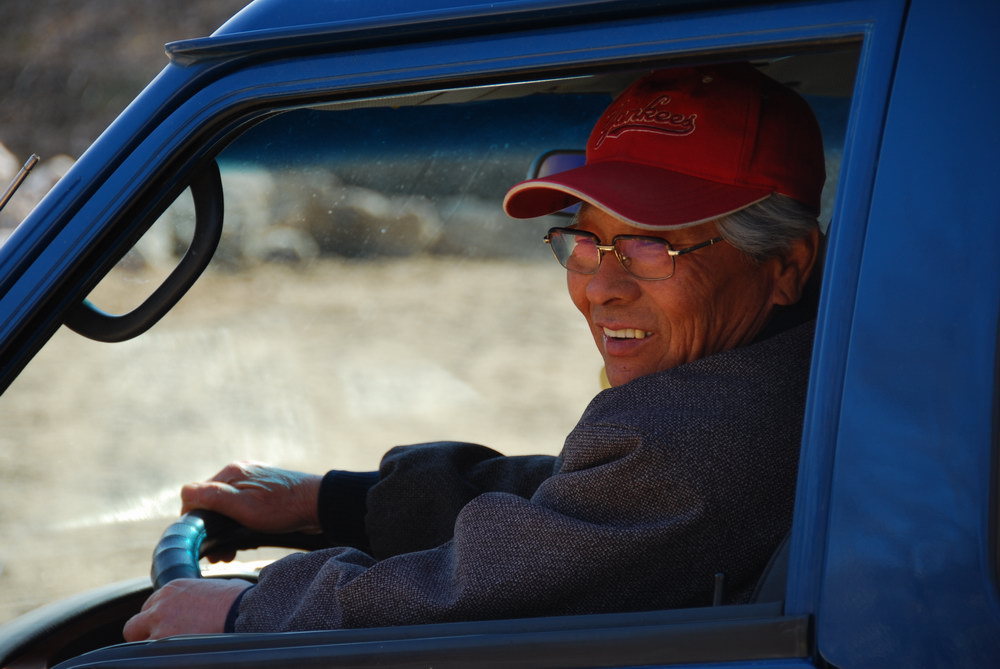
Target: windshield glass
{"type": "Point", "coordinates": [368, 291]}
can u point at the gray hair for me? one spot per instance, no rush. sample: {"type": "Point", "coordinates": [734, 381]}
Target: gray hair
{"type": "Point", "coordinates": [769, 227]}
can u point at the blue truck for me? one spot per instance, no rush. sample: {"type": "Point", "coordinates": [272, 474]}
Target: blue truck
{"type": "Point", "coordinates": [382, 132]}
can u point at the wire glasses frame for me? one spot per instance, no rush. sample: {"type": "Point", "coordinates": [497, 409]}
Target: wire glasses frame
{"type": "Point", "coordinates": [644, 257]}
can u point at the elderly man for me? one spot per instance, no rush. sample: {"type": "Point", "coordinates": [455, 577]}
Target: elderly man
{"type": "Point", "coordinates": [696, 236]}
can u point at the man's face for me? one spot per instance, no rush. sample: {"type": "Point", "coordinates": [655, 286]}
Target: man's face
{"type": "Point", "coordinates": [717, 299]}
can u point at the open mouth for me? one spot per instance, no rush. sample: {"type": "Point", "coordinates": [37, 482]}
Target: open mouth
{"type": "Point", "coordinates": [627, 333]}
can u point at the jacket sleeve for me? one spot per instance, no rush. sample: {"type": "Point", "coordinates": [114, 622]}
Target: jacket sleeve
{"type": "Point", "coordinates": [412, 502]}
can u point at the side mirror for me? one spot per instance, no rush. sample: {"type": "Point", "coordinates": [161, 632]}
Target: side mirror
{"type": "Point", "coordinates": [552, 162]}
{"type": "Point", "coordinates": [89, 321]}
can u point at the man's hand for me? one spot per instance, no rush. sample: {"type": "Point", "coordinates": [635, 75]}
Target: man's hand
{"type": "Point", "coordinates": [261, 498]}
{"type": "Point", "coordinates": [185, 606]}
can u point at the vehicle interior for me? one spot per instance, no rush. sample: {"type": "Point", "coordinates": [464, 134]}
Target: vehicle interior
{"type": "Point", "coordinates": [335, 279]}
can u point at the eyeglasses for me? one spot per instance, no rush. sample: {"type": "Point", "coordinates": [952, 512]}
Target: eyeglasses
{"type": "Point", "coordinates": [643, 257]}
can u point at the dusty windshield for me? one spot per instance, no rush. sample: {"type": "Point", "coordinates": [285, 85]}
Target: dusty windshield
{"type": "Point", "coordinates": [368, 291]}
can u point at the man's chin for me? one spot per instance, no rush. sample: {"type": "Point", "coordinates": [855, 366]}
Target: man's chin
{"type": "Point", "coordinates": [620, 371]}
{"type": "Point", "coordinates": [619, 374]}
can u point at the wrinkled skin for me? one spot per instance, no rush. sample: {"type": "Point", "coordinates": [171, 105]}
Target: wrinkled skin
{"type": "Point", "coordinates": [717, 299]}
{"type": "Point", "coordinates": [185, 606]}
{"type": "Point", "coordinates": [259, 497]}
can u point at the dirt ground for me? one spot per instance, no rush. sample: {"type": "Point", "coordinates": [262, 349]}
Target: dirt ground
{"type": "Point", "coordinates": [310, 368]}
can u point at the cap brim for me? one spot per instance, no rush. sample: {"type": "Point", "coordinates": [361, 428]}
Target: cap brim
{"type": "Point", "coordinates": [641, 195]}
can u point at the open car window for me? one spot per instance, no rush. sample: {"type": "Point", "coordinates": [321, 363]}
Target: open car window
{"type": "Point", "coordinates": [367, 291]}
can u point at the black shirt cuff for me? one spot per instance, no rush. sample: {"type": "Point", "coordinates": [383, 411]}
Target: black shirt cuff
{"type": "Point", "coordinates": [234, 612]}
{"type": "Point", "coordinates": [342, 506]}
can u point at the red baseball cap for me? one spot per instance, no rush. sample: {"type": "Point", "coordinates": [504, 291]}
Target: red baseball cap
{"type": "Point", "coordinates": [685, 146]}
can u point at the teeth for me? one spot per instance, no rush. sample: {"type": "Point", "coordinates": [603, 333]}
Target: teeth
{"type": "Point", "coordinates": [627, 333]}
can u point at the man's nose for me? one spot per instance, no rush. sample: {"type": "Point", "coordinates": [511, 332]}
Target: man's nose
{"type": "Point", "coordinates": [611, 282]}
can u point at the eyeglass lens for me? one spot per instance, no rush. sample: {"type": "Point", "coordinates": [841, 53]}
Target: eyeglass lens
{"type": "Point", "coordinates": [644, 257]}
{"type": "Point", "coordinates": [576, 252]}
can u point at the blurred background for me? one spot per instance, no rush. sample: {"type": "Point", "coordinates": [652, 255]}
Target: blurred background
{"type": "Point", "coordinates": [69, 67]}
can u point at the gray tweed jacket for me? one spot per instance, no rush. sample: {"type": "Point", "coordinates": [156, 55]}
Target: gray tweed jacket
{"type": "Point", "coordinates": [664, 482]}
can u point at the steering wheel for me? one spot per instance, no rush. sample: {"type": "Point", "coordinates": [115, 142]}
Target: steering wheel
{"type": "Point", "coordinates": [198, 533]}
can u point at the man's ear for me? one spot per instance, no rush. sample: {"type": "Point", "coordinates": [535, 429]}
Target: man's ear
{"type": "Point", "coordinates": [793, 268]}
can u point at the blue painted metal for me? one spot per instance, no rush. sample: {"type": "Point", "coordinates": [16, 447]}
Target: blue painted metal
{"type": "Point", "coordinates": [276, 16]}
{"type": "Point", "coordinates": [908, 579]}
{"type": "Point", "coordinates": [270, 27]}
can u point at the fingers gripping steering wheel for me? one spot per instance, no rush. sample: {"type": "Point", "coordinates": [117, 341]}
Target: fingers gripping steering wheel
{"type": "Point", "coordinates": [198, 533]}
